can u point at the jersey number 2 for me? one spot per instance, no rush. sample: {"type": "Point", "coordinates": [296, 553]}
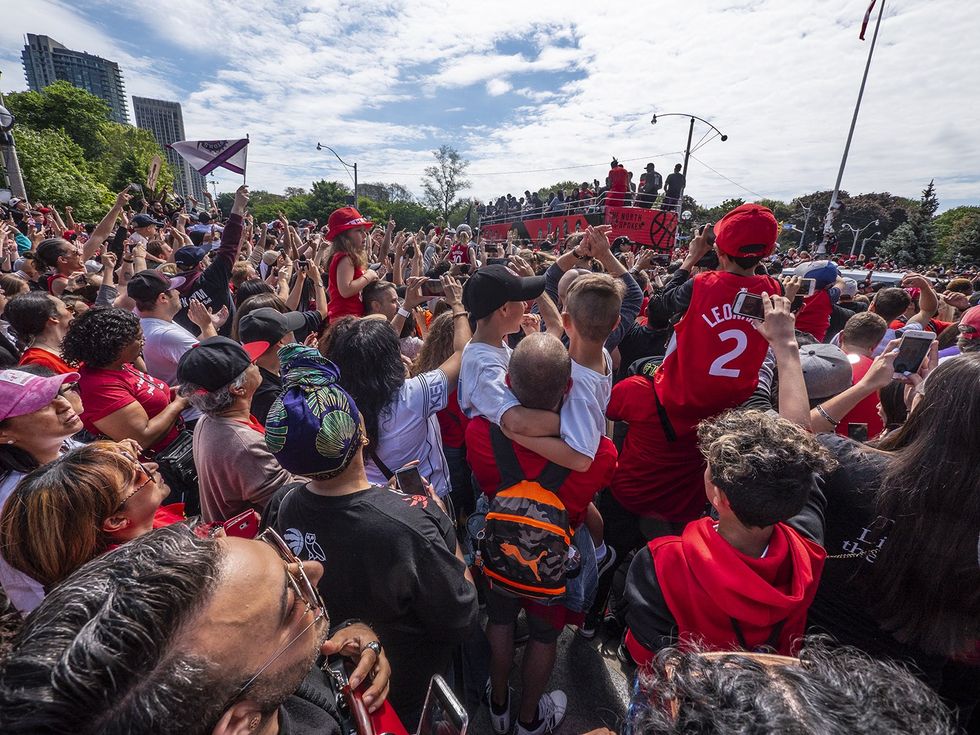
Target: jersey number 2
{"type": "Point", "coordinates": [718, 367]}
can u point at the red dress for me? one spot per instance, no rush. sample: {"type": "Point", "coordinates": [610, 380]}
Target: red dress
{"type": "Point", "coordinates": [340, 305]}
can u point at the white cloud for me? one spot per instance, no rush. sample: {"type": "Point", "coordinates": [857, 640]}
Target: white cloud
{"type": "Point", "coordinates": [497, 87]}
{"type": "Point", "coordinates": [778, 76]}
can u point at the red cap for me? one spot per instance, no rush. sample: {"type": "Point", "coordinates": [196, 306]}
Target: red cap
{"type": "Point", "coordinates": [343, 219]}
{"type": "Point", "coordinates": [747, 231]}
{"type": "Point", "coordinates": [970, 318]}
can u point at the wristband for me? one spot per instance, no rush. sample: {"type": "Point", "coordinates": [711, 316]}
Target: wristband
{"type": "Point", "coordinates": [403, 312]}
{"type": "Point", "coordinates": [460, 313]}
{"type": "Point", "coordinates": [826, 415]}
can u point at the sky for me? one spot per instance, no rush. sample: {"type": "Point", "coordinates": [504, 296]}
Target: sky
{"type": "Point", "coordinates": [536, 92]}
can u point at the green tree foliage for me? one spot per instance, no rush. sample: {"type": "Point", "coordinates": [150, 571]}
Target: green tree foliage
{"type": "Point", "coordinates": [410, 215]}
{"type": "Point", "coordinates": [62, 106]}
{"type": "Point", "coordinates": [962, 245]}
{"type": "Point", "coordinates": [326, 196]}
{"type": "Point", "coordinates": [55, 171]}
{"type": "Point", "coordinates": [127, 157]}
{"type": "Point", "coordinates": [443, 182]}
{"type": "Point", "coordinates": [945, 224]}
{"type": "Point", "coordinates": [545, 192]}
{"type": "Point", "coordinates": [914, 242]}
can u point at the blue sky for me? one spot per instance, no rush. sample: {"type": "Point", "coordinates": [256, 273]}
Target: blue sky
{"type": "Point", "coordinates": [561, 85]}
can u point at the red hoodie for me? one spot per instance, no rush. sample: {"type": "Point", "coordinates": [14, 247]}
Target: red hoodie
{"type": "Point", "coordinates": [814, 317]}
{"type": "Point", "coordinates": [707, 583]}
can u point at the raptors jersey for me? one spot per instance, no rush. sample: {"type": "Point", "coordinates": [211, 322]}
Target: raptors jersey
{"type": "Point", "coordinates": [459, 253]}
{"type": "Point", "coordinates": [714, 357]}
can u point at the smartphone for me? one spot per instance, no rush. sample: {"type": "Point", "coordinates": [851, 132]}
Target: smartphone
{"type": "Point", "coordinates": [749, 305]}
{"type": "Point", "coordinates": [442, 713]}
{"type": "Point", "coordinates": [709, 232]}
{"type": "Point", "coordinates": [302, 264]}
{"type": "Point", "coordinates": [135, 188]}
{"type": "Point", "coordinates": [498, 261]}
{"type": "Point", "coordinates": [808, 287]}
{"type": "Point", "coordinates": [465, 268]}
{"type": "Point", "coordinates": [375, 266]}
{"type": "Point", "coordinates": [410, 481]}
{"type": "Point", "coordinates": [244, 525]}
{"type": "Point", "coordinates": [857, 432]}
{"type": "Point", "coordinates": [709, 261]}
{"type": "Point", "coordinates": [912, 350]}
{"type": "Point", "coordinates": [433, 287]}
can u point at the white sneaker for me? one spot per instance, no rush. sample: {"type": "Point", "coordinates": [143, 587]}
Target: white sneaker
{"type": "Point", "coordinates": [551, 711]}
{"type": "Point", "coordinates": [499, 723]}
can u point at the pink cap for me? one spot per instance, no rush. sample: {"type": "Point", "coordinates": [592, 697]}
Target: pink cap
{"type": "Point", "coordinates": [22, 393]}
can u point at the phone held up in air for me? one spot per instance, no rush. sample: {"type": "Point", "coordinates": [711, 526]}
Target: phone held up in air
{"type": "Point", "coordinates": [432, 287]}
{"type": "Point", "coordinates": [808, 287]}
{"type": "Point", "coordinates": [912, 350]}
{"type": "Point", "coordinates": [442, 713]}
{"type": "Point", "coordinates": [749, 305]}
{"type": "Point", "coordinates": [409, 480]}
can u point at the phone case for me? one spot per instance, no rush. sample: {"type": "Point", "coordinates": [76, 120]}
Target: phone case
{"type": "Point", "coordinates": [244, 525]}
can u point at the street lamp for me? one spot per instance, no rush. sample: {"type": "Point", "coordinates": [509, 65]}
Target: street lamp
{"type": "Point", "coordinates": [857, 233]}
{"type": "Point", "coordinates": [320, 147]}
{"type": "Point", "coordinates": [865, 242]}
{"type": "Point", "coordinates": [6, 120]}
{"type": "Point", "coordinates": [806, 221]}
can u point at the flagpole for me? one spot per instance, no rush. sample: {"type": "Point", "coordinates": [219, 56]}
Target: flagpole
{"type": "Point", "coordinates": [246, 152]}
{"type": "Point", "coordinates": [828, 223]}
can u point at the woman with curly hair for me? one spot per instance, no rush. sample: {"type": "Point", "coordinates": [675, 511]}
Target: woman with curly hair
{"type": "Point", "coordinates": [121, 402]}
{"type": "Point", "coordinates": [745, 580]}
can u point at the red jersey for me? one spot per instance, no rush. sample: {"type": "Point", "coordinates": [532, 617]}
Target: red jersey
{"type": "Point", "coordinates": [865, 412]}
{"type": "Point", "coordinates": [339, 305]}
{"type": "Point", "coordinates": [460, 253]}
{"type": "Point", "coordinates": [37, 356]}
{"type": "Point", "coordinates": [576, 492]}
{"type": "Point", "coordinates": [714, 357]}
{"type": "Point", "coordinates": [814, 317]}
{"type": "Point", "coordinates": [452, 423]}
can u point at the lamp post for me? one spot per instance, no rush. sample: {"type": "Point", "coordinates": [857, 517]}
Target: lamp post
{"type": "Point", "coordinates": [865, 242]}
{"type": "Point", "coordinates": [806, 221]}
{"type": "Point", "coordinates": [857, 233]}
{"type": "Point", "coordinates": [11, 165]}
{"type": "Point", "coordinates": [320, 147]}
{"type": "Point", "coordinates": [687, 149]}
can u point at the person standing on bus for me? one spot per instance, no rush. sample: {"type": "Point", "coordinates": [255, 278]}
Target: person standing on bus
{"type": "Point", "coordinates": [618, 182]}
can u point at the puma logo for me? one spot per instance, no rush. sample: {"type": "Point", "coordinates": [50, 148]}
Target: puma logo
{"type": "Point", "coordinates": [512, 551]}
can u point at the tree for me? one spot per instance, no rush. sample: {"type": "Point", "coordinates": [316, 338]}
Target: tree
{"type": "Point", "coordinates": [62, 106]}
{"type": "Point", "coordinates": [294, 191]}
{"type": "Point", "coordinates": [410, 215]}
{"type": "Point", "coordinates": [963, 242]}
{"type": "Point", "coordinates": [443, 181]}
{"type": "Point", "coordinates": [325, 197]}
{"type": "Point", "coordinates": [567, 186]}
{"type": "Point", "coordinates": [914, 242]}
{"type": "Point", "coordinates": [55, 172]}
{"type": "Point", "coordinates": [944, 226]}
{"type": "Point", "coordinates": [127, 156]}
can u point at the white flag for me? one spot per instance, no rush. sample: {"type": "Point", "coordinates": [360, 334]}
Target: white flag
{"type": "Point", "coordinates": [207, 155]}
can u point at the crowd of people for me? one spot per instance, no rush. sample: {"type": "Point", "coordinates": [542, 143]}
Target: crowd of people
{"type": "Point", "coordinates": [618, 190]}
{"type": "Point", "coordinates": [234, 453]}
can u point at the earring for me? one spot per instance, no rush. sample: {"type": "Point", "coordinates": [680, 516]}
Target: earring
{"type": "Point", "coordinates": [10, 441]}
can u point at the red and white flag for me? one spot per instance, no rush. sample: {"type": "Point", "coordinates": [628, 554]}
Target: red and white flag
{"type": "Point", "coordinates": [867, 17]}
{"type": "Point", "coordinates": [207, 155]}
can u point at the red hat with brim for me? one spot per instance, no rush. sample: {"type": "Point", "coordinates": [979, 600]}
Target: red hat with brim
{"type": "Point", "coordinates": [343, 219]}
{"type": "Point", "coordinates": [748, 231]}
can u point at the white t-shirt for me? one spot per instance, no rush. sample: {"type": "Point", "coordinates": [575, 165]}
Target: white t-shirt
{"type": "Point", "coordinates": [483, 389]}
{"type": "Point", "coordinates": [583, 414]}
{"type": "Point", "coordinates": [166, 342]}
{"type": "Point", "coordinates": [408, 430]}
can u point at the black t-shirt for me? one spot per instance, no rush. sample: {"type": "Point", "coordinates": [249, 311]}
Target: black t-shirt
{"type": "Point", "coordinates": [674, 185]}
{"type": "Point", "coordinates": [265, 394]}
{"type": "Point", "coordinates": [641, 341]}
{"type": "Point", "coordinates": [855, 531]}
{"type": "Point", "coordinates": [312, 708]}
{"type": "Point", "coordinates": [389, 560]}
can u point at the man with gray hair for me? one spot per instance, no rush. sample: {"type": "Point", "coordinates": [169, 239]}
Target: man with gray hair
{"type": "Point", "coordinates": [235, 470]}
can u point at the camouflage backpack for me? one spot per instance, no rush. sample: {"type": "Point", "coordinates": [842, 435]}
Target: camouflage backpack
{"type": "Point", "coordinates": [525, 542]}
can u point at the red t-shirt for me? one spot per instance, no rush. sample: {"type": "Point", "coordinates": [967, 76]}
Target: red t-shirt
{"type": "Point", "coordinates": [106, 391]}
{"type": "Point", "coordinates": [578, 489]}
{"type": "Point", "coordinates": [814, 317]}
{"type": "Point", "coordinates": [618, 179]}
{"type": "Point", "coordinates": [865, 412]}
{"type": "Point", "coordinates": [37, 356]}
{"type": "Point", "coordinates": [933, 325]}
{"type": "Point", "coordinates": [452, 423]}
{"type": "Point", "coordinates": [338, 305]}
{"type": "Point", "coordinates": [713, 362]}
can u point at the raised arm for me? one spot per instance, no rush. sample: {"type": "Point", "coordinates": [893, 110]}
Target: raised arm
{"type": "Point", "coordinates": [102, 230]}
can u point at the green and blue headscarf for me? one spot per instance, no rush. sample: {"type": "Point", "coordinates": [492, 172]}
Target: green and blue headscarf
{"type": "Point", "coordinates": [313, 427]}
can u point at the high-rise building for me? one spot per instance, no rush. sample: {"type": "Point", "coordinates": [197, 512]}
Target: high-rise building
{"type": "Point", "coordinates": [166, 122]}
{"type": "Point", "coordinates": [46, 61]}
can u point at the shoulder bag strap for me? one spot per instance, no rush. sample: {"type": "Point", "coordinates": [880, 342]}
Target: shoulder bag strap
{"type": "Point", "coordinates": [378, 463]}
{"type": "Point", "coordinates": [503, 452]}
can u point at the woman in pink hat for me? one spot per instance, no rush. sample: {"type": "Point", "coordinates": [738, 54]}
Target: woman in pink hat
{"type": "Point", "coordinates": [348, 273]}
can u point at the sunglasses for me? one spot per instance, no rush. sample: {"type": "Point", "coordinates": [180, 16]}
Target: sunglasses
{"type": "Point", "coordinates": [304, 590]}
{"type": "Point", "coordinates": [144, 476]}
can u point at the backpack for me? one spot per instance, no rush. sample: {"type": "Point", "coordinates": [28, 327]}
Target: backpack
{"type": "Point", "coordinates": [524, 546]}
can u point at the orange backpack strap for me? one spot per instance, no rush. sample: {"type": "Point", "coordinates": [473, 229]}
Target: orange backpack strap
{"type": "Point", "coordinates": [551, 478]}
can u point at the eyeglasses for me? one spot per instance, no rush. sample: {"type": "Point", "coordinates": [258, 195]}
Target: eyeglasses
{"type": "Point", "coordinates": [144, 476]}
{"type": "Point", "coordinates": [304, 590]}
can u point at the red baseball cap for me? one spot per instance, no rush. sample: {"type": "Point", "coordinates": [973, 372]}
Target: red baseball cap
{"type": "Point", "coordinates": [747, 231]}
{"type": "Point", "coordinates": [971, 320]}
{"type": "Point", "coordinates": [343, 219]}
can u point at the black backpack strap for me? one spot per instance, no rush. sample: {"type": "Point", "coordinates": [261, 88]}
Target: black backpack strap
{"type": "Point", "coordinates": [772, 642]}
{"type": "Point", "coordinates": [662, 413]}
{"type": "Point", "coordinates": [378, 463]}
{"type": "Point", "coordinates": [551, 478]}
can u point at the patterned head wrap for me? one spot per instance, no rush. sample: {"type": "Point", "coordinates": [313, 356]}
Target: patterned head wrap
{"type": "Point", "coordinates": [313, 427]}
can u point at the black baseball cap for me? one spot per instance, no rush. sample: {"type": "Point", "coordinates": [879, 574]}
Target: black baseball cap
{"type": "Point", "coordinates": [145, 220]}
{"type": "Point", "coordinates": [215, 362]}
{"type": "Point", "coordinates": [190, 256]}
{"type": "Point", "coordinates": [269, 325]}
{"type": "Point", "coordinates": [492, 286]}
{"type": "Point", "coordinates": [147, 285]}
